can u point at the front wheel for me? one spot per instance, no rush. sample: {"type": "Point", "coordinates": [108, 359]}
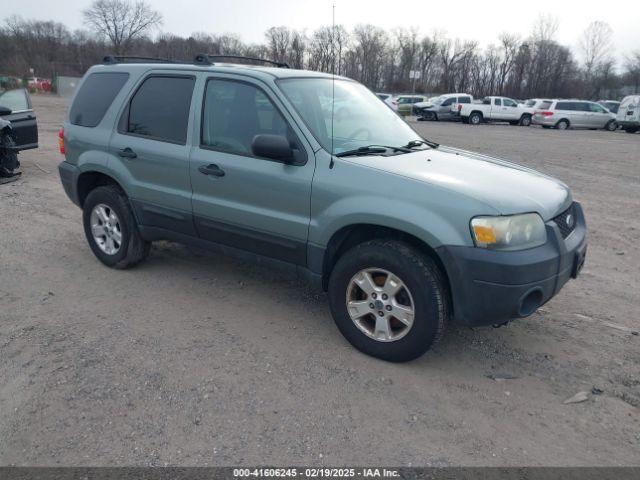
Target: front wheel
{"type": "Point", "coordinates": [389, 300]}
{"type": "Point", "coordinates": [111, 228]}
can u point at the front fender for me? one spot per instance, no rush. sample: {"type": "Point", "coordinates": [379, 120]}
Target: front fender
{"type": "Point", "coordinates": [433, 229]}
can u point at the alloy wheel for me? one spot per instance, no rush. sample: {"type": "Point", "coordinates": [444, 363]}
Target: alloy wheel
{"type": "Point", "coordinates": [105, 229]}
{"type": "Point", "coordinates": [380, 304]}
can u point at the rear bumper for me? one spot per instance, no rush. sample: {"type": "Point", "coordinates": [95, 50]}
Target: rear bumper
{"type": "Point", "coordinates": [490, 287]}
{"type": "Point", "coordinates": [546, 121]}
{"type": "Point", "coordinates": [69, 177]}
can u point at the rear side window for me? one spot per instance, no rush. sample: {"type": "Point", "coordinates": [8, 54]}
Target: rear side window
{"type": "Point", "coordinates": [159, 109]}
{"type": "Point", "coordinates": [566, 106]}
{"type": "Point", "coordinates": [510, 103]}
{"type": "Point", "coordinates": [464, 99]}
{"type": "Point", "coordinates": [497, 102]}
{"type": "Point", "coordinates": [95, 96]}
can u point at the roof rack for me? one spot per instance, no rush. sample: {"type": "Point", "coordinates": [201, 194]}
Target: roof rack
{"type": "Point", "coordinates": [207, 59]}
{"type": "Point", "coordinates": [114, 59]}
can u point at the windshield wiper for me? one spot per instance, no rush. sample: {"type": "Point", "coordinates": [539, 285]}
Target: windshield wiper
{"type": "Point", "coordinates": [417, 143]}
{"type": "Point", "coordinates": [369, 149]}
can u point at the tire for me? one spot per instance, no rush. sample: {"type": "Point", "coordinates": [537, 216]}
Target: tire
{"type": "Point", "coordinates": [475, 118]}
{"type": "Point", "coordinates": [131, 247]}
{"type": "Point", "coordinates": [562, 124]}
{"type": "Point", "coordinates": [525, 121]}
{"type": "Point", "coordinates": [612, 126]}
{"type": "Point", "coordinates": [423, 288]}
{"type": "Point", "coordinates": [430, 116]}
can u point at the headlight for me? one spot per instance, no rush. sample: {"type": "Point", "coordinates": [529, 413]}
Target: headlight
{"type": "Point", "coordinates": [514, 232]}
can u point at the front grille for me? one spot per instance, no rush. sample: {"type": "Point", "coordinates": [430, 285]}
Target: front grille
{"type": "Point", "coordinates": [566, 221]}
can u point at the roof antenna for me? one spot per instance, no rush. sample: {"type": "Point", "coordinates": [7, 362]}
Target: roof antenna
{"type": "Point", "coordinates": [333, 77]}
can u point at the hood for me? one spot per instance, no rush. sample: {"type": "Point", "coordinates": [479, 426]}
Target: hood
{"type": "Point", "coordinates": [504, 186]}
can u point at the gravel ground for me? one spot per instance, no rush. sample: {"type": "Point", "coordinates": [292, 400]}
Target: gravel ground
{"type": "Point", "coordinates": [196, 359]}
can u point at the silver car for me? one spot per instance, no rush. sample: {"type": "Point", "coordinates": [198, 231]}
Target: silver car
{"type": "Point", "coordinates": [563, 114]}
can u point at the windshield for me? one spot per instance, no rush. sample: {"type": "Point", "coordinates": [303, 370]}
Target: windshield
{"type": "Point", "coordinates": [360, 119]}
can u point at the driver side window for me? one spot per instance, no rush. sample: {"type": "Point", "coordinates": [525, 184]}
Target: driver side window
{"type": "Point", "coordinates": [235, 112]}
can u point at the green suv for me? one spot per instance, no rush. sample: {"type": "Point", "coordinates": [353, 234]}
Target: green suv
{"type": "Point", "coordinates": [404, 234]}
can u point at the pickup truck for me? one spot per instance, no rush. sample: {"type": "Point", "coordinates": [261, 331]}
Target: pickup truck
{"type": "Point", "coordinates": [496, 109]}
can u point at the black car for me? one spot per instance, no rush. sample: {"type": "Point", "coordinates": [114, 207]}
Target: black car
{"type": "Point", "coordinates": [15, 107]}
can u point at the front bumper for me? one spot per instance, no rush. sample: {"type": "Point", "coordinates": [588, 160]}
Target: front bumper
{"type": "Point", "coordinates": [491, 287]}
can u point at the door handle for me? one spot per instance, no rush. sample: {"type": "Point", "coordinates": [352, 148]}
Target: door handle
{"type": "Point", "coordinates": [127, 153]}
{"type": "Point", "coordinates": [211, 169]}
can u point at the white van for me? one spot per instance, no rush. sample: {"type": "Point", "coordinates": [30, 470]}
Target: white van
{"type": "Point", "coordinates": [628, 116]}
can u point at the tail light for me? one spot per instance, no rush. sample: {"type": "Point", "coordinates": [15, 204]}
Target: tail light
{"type": "Point", "coordinates": [545, 113]}
{"type": "Point", "coordinates": [61, 140]}
{"type": "Point", "coordinates": [459, 106]}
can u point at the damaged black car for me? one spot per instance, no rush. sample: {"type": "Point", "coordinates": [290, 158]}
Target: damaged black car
{"type": "Point", "coordinates": [18, 130]}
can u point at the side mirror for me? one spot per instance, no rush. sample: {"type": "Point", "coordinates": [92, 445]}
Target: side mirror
{"type": "Point", "coordinates": [275, 147]}
{"type": "Point", "coordinates": [4, 111]}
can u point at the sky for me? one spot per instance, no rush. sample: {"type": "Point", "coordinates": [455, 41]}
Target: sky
{"type": "Point", "coordinates": [481, 20]}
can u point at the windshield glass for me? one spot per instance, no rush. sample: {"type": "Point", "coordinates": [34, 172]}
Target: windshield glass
{"type": "Point", "coordinates": [360, 119]}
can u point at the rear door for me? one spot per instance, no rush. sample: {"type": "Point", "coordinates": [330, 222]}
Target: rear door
{"type": "Point", "coordinates": [150, 147]}
{"type": "Point", "coordinates": [240, 199]}
{"type": "Point", "coordinates": [496, 112]}
{"type": "Point", "coordinates": [22, 117]}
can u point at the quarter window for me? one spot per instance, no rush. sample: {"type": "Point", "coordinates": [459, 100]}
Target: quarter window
{"type": "Point", "coordinates": [159, 109]}
{"type": "Point", "coordinates": [235, 112]}
{"type": "Point", "coordinates": [95, 97]}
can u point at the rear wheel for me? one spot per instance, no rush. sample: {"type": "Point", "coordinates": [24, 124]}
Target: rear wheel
{"type": "Point", "coordinates": [388, 300]}
{"type": "Point", "coordinates": [475, 118]}
{"type": "Point", "coordinates": [525, 120]}
{"type": "Point", "coordinates": [111, 228]}
{"type": "Point", "coordinates": [562, 124]}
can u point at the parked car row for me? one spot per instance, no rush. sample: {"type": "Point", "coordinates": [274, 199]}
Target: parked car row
{"type": "Point", "coordinates": [549, 113]}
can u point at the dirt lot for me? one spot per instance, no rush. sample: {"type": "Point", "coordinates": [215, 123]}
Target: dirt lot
{"type": "Point", "coordinates": [195, 359]}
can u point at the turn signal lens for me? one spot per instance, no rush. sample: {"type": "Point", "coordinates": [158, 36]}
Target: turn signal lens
{"type": "Point", "coordinates": [484, 234]}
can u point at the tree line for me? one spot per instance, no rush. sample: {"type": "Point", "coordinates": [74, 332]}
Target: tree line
{"type": "Point", "coordinates": [536, 65]}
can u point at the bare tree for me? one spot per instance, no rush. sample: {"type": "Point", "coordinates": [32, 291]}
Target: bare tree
{"type": "Point", "coordinates": [121, 21]}
{"type": "Point", "coordinates": [596, 45]}
{"type": "Point", "coordinates": [632, 70]}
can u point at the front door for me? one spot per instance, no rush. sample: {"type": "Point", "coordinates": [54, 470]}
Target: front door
{"type": "Point", "coordinates": [22, 117]}
{"type": "Point", "coordinates": [510, 109]}
{"type": "Point", "coordinates": [149, 148]}
{"type": "Point", "coordinates": [240, 199]}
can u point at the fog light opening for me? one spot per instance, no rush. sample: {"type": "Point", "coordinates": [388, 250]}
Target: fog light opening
{"type": "Point", "coordinates": [530, 302]}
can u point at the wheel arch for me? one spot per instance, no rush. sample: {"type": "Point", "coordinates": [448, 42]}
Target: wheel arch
{"type": "Point", "coordinates": [349, 236]}
{"type": "Point", "coordinates": [91, 179]}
